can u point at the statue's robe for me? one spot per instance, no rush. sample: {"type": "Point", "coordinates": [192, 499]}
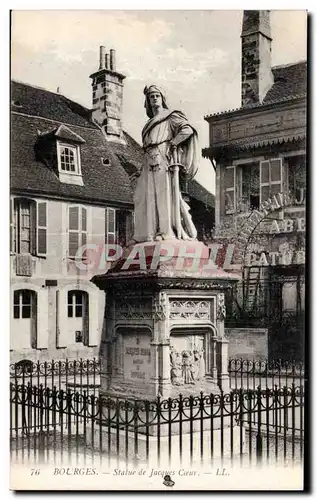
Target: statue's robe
{"type": "Point", "coordinates": [153, 200]}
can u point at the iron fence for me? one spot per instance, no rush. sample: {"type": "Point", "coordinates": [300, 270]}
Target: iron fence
{"type": "Point", "coordinates": [265, 424]}
{"type": "Point", "coordinates": [78, 375]}
{"type": "Point", "coordinates": [250, 374]}
{"type": "Point", "coordinates": [84, 374]}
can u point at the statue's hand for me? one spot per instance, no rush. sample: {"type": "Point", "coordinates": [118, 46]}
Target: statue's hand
{"type": "Point", "coordinates": [172, 152]}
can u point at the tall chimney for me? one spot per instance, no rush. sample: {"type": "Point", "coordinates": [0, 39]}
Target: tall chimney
{"type": "Point", "coordinates": [113, 60]}
{"type": "Point", "coordinates": [102, 52]}
{"type": "Point", "coordinates": [107, 96]}
{"type": "Point", "coordinates": [256, 76]}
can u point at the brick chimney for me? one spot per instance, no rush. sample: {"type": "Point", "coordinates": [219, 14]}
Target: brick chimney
{"type": "Point", "coordinates": [257, 77]}
{"type": "Point", "coordinates": [107, 95]}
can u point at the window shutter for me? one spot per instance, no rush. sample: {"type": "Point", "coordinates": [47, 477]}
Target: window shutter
{"type": "Point", "coordinates": [33, 231]}
{"type": "Point", "coordinates": [110, 231]}
{"type": "Point", "coordinates": [83, 219]}
{"type": "Point", "coordinates": [41, 229]}
{"type": "Point", "coordinates": [12, 228]}
{"type": "Point", "coordinates": [73, 231]}
{"type": "Point", "coordinates": [264, 180]}
{"type": "Point", "coordinates": [229, 185]}
{"type": "Point", "coordinates": [276, 176]}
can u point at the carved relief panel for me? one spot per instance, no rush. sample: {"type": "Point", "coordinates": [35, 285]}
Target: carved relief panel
{"type": "Point", "coordinates": [187, 359]}
{"type": "Point", "coordinates": [195, 310]}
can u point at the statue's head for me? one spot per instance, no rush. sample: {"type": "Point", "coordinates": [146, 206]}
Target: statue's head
{"type": "Point", "coordinates": [154, 97]}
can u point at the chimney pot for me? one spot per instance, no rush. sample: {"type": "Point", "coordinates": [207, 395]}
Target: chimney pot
{"type": "Point", "coordinates": [102, 57]}
{"type": "Point", "coordinates": [107, 61]}
{"type": "Point", "coordinates": [112, 60]}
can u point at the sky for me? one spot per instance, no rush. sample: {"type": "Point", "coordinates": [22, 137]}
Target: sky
{"type": "Point", "coordinates": [195, 56]}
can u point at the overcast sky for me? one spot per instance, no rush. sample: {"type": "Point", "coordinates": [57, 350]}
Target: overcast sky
{"type": "Point", "coordinates": [194, 55]}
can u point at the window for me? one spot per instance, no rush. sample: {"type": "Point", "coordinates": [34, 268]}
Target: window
{"type": "Point", "coordinates": [270, 178]}
{"type": "Point", "coordinates": [229, 185]}
{"type": "Point", "coordinates": [78, 316]}
{"type": "Point", "coordinates": [110, 228]}
{"type": "Point", "coordinates": [297, 177]}
{"type": "Point", "coordinates": [68, 158]}
{"type": "Point", "coordinates": [124, 227]}
{"type": "Point", "coordinates": [69, 164]}
{"type": "Point", "coordinates": [77, 231]}
{"type": "Point", "coordinates": [76, 304]}
{"type": "Point", "coordinates": [248, 187]}
{"type": "Point", "coordinates": [28, 226]}
{"type": "Point", "coordinates": [22, 304]}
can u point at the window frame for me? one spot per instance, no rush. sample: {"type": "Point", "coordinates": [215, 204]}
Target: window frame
{"type": "Point", "coordinates": [239, 176]}
{"type": "Point", "coordinates": [76, 149]}
{"type": "Point", "coordinates": [107, 232]}
{"type": "Point", "coordinates": [20, 304]}
{"type": "Point", "coordinates": [270, 182]}
{"type": "Point", "coordinates": [34, 228]}
{"type": "Point", "coordinates": [230, 190]}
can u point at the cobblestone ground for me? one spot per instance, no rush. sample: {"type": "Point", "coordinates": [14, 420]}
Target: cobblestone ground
{"type": "Point", "coordinates": [65, 451]}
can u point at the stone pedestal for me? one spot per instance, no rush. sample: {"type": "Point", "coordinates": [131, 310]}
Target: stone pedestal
{"type": "Point", "coordinates": [164, 315]}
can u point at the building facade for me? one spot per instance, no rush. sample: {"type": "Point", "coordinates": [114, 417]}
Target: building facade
{"type": "Point", "coordinates": [71, 185]}
{"type": "Point", "coordinates": [260, 155]}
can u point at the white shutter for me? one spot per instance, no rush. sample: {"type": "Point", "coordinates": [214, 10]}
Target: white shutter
{"type": "Point", "coordinates": [110, 229]}
{"type": "Point", "coordinates": [93, 333]}
{"type": "Point", "coordinates": [41, 229]}
{"type": "Point", "coordinates": [42, 320]}
{"type": "Point", "coordinates": [61, 301]}
{"type": "Point", "coordinates": [264, 180]}
{"type": "Point", "coordinates": [73, 230]}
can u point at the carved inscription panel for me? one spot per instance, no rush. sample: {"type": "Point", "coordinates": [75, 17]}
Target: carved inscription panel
{"type": "Point", "coordinates": [137, 362]}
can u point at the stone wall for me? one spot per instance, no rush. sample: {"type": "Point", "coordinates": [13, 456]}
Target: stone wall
{"type": "Point", "coordinates": [247, 343]}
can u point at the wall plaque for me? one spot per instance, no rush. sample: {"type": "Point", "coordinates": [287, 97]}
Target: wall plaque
{"type": "Point", "coordinates": [137, 362]}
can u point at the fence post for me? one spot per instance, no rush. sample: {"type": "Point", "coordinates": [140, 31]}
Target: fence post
{"type": "Point", "coordinates": [259, 444]}
{"type": "Point", "coordinates": [40, 417]}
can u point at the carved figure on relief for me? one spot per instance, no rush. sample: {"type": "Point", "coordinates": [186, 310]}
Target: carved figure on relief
{"type": "Point", "coordinates": [188, 367]}
{"type": "Point", "coordinates": [176, 368]}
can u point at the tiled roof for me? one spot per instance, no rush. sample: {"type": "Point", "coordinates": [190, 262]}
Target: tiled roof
{"type": "Point", "coordinates": [35, 101]}
{"type": "Point", "coordinates": [197, 191]}
{"type": "Point", "coordinates": [290, 82]}
{"type": "Point", "coordinates": [37, 110]}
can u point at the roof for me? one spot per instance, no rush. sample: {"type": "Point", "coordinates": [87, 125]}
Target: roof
{"type": "Point", "coordinates": [290, 82]}
{"type": "Point", "coordinates": [37, 110]}
{"type": "Point", "coordinates": [197, 191]}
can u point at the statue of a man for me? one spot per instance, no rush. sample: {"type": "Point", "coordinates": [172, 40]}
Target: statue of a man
{"type": "Point", "coordinates": [170, 144]}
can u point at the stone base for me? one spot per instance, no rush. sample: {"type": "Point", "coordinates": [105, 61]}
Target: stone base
{"type": "Point", "coordinates": [165, 312]}
{"type": "Point", "coordinates": [167, 450]}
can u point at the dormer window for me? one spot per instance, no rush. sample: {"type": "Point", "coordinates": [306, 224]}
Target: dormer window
{"type": "Point", "coordinates": [60, 149]}
{"type": "Point", "coordinates": [68, 157]}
